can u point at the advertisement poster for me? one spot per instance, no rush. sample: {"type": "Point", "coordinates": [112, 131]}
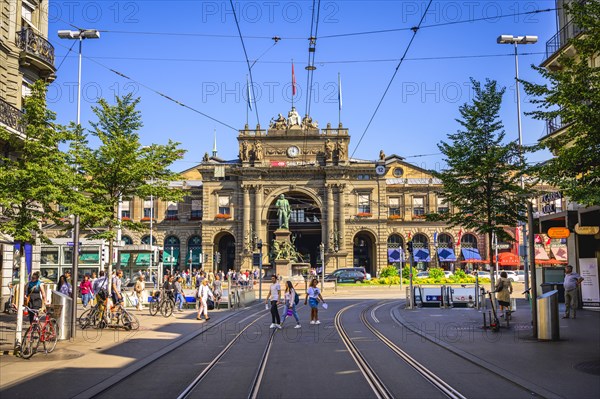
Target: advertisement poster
{"type": "Point", "coordinates": [590, 288]}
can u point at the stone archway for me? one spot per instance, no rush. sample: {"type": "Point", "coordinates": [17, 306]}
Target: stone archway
{"type": "Point", "coordinates": [224, 255]}
{"type": "Point", "coordinates": [364, 251]}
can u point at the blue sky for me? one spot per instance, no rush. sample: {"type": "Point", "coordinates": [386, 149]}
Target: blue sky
{"type": "Point", "coordinates": [201, 63]}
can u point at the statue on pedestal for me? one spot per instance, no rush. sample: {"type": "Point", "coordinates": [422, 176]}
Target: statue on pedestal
{"type": "Point", "coordinates": [293, 118]}
{"type": "Point", "coordinates": [283, 212]}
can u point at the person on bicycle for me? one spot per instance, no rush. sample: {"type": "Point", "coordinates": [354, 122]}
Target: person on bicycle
{"type": "Point", "coordinates": [35, 295]}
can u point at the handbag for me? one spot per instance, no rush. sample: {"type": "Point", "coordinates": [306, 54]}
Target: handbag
{"type": "Point", "coordinates": [290, 312]}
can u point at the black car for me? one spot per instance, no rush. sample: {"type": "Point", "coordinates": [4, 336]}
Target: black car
{"type": "Point", "coordinates": [346, 276]}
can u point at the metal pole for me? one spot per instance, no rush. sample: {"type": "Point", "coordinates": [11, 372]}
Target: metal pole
{"type": "Point", "coordinates": [79, 83]}
{"type": "Point", "coordinates": [525, 263]}
{"type": "Point", "coordinates": [410, 280]}
{"type": "Point", "coordinates": [322, 250]}
{"type": "Point", "coordinates": [20, 298]}
{"type": "Point", "coordinates": [533, 274]}
{"type": "Point", "coordinates": [172, 262]}
{"type": "Point", "coordinates": [260, 268]}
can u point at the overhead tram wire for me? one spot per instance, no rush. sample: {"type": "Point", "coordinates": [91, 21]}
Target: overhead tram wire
{"type": "Point", "coordinates": [372, 32]}
{"type": "Point", "coordinates": [310, 66]}
{"type": "Point", "coordinates": [415, 30]}
{"type": "Point", "coordinates": [237, 24]}
{"type": "Point", "coordinates": [159, 93]}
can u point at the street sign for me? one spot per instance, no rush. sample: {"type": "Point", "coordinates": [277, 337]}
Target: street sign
{"type": "Point", "coordinates": [380, 170]}
{"type": "Point", "coordinates": [558, 232]}
{"type": "Point", "coordinates": [586, 230]}
{"type": "Point", "coordinates": [70, 243]}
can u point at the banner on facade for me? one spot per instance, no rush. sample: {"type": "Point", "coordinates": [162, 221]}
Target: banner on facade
{"type": "Point", "coordinates": [590, 287]}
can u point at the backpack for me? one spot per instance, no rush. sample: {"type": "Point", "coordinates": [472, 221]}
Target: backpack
{"type": "Point", "coordinates": [296, 298]}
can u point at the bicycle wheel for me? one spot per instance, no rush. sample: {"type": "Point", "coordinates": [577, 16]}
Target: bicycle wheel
{"type": "Point", "coordinates": [30, 341]}
{"type": "Point", "coordinates": [84, 320]}
{"type": "Point", "coordinates": [130, 322]}
{"type": "Point", "coordinates": [166, 308]}
{"type": "Point", "coordinates": [50, 336]}
{"type": "Point", "coordinates": [153, 307]}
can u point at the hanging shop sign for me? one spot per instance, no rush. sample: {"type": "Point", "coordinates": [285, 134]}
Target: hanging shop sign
{"type": "Point", "coordinates": [549, 202]}
{"type": "Point", "coordinates": [558, 232]}
{"type": "Point", "coordinates": [586, 230]}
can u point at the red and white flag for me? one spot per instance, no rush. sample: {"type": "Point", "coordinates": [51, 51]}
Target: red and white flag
{"type": "Point", "coordinates": [293, 81]}
{"type": "Point", "coordinates": [459, 237]}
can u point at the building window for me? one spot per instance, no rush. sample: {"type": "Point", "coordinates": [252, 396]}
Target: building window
{"type": "Point", "coordinates": [125, 210]}
{"type": "Point", "coordinates": [442, 205]}
{"type": "Point", "coordinates": [418, 206]}
{"type": "Point", "coordinates": [394, 207]}
{"type": "Point", "coordinates": [148, 211]}
{"type": "Point", "coordinates": [171, 210]}
{"type": "Point", "coordinates": [196, 210]}
{"type": "Point", "coordinates": [363, 177]}
{"type": "Point", "coordinates": [126, 240]}
{"type": "Point", "coordinates": [364, 203]}
{"type": "Point", "coordinates": [468, 241]}
{"type": "Point", "coordinates": [49, 256]}
{"type": "Point", "coordinates": [224, 203]}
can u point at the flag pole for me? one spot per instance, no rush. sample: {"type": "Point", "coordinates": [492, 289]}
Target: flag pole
{"type": "Point", "coordinates": [293, 83]}
{"type": "Point", "coordinates": [248, 94]}
{"type": "Point", "coordinates": [339, 100]}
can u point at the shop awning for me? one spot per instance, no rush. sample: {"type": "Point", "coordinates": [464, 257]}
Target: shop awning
{"type": "Point", "coordinates": [471, 254]}
{"type": "Point", "coordinates": [550, 262]}
{"type": "Point", "coordinates": [422, 255]}
{"type": "Point", "coordinates": [142, 260]}
{"type": "Point", "coordinates": [125, 258]}
{"type": "Point", "coordinates": [90, 258]}
{"type": "Point", "coordinates": [508, 259]}
{"type": "Point", "coordinates": [167, 254]}
{"type": "Point", "coordinates": [446, 255]}
{"type": "Point", "coordinates": [540, 253]}
{"type": "Point", "coordinates": [196, 253]}
{"type": "Point", "coordinates": [395, 255]}
{"type": "Point", "coordinates": [560, 252]}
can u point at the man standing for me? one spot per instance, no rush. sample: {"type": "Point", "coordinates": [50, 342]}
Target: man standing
{"type": "Point", "coordinates": [571, 284]}
{"type": "Point", "coordinates": [140, 285]}
{"type": "Point", "coordinates": [274, 295]}
{"type": "Point", "coordinates": [117, 297]}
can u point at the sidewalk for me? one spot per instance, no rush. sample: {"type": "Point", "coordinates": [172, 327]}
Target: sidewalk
{"type": "Point", "coordinates": [566, 368]}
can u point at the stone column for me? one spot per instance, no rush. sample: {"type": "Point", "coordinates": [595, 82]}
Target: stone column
{"type": "Point", "coordinates": [258, 200]}
{"type": "Point", "coordinates": [330, 217]}
{"type": "Point", "coordinates": [246, 217]}
{"type": "Point", "coordinates": [341, 217]}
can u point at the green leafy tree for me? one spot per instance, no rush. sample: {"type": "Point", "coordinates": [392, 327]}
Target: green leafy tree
{"type": "Point", "coordinates": [121, 168]}
{"type": "Point", "coordinates": [34, 176]}
{"type": "Point", "coordinates": [482, 178]}
{"type": "Point", "coordinates": [572, 95]}
{"type": "Point", "coordinates": [389, 271]}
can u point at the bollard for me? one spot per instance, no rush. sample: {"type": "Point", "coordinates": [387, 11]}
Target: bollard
{"type": "Point", "coordinates": [485, 326]}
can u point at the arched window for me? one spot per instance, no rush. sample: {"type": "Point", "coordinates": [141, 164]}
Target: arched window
{"type": "Point", "coordinates": [420, 241]}
{"type": "Point", "coordinates": [444, 240]}
{"type": "Point", "coordinates": [146, 240]}
{"type": "Point", "coordinates": [469, 241]}
{"type": "Point", "coordinates": [171, 252]}
{"type": "Point", "coordinates": [128, 241]}
{"type": "Point", "coordinates": [395, 249]}
{"type": "Point", "coordinates": [194, 255]}
{"type": "Point", "coordinates": [395, 241]}
{"type": "Point", "coordinates": [421, 253]}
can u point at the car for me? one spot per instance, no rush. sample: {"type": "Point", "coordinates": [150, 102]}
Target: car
{"type": "Point", "coordinates": [448, 273]}
{"type": "Point", "coordinates": [359, 269]}
{"type": "Point", "coordinates": [520, 276]}
{"type": "Point", "coordinates": [510, 274]}
{"type": "Point", "coordinates": [483, 274]}
{"type": "Point", "coordinates": [346, 276]}
{"type": "Point", "coordinates": [423, 275]}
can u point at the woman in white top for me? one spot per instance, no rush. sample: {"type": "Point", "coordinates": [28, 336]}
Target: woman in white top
{"type": "Point", "coordinates": [313, 295]}
{"type": "Point", "coordinates": [290, 303]}
{"type": "Point", "coordinates": [204, 293]}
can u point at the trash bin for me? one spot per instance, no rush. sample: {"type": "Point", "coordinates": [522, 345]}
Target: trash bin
{"type": "Point", "coordinates": [547, 316]}
{"type": "Point", "coordinates": [63, 321]}
{"type": "Point", "coordinates": [547, 287]}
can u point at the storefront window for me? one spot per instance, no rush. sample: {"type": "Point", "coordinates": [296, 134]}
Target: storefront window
{"type": "Point", "coordinates": [49, 256]}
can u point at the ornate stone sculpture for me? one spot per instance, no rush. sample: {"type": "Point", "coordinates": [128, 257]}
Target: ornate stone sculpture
{"type": "Point", "coordinates": [293, 118]}
{"type": "Point", "coordinates": [205, 158]}
{"type": "Point", "coordinates": [381, 155]}
{"type": "Point", "coordinates": [308, 123]}
{"type": "Point", "coordinates": [341, 151]}
{"type": "Point", "coordinates": [279, 123]}
{"type": "Point", "coordinates": [244, 151]}
{"type": "Point", "coordinates": [258, 151]}
{"type": "Point", "coordinates": [328, 150]}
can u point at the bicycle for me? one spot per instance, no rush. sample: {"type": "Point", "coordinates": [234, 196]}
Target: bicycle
{"type": "Point", "coordinates": [163, 301]}
{"type": "Point", "coordinates": [89, 318]}
{"type": "Point", "coordinates": [47, 333]}
{"type": "Point", "coordinates": [120, 315]}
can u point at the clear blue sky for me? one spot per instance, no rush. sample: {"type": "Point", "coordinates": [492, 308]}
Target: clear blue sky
{"type": "Point", "coordinates": [202, 64]}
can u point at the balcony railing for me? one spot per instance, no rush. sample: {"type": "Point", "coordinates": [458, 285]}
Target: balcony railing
{"type": "Point", "coordinates": [36, 45]}
{"type": "Point", "coordinates": [11, 116]}
{"type": "Point", "coordinates": [557, 41]}
{"type": "Point", "coordinates": [554, 124]}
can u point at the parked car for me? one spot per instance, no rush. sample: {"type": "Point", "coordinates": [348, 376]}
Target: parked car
{"type": "Point", "coordinates": [510, 274]}
{"type": "Point", "coordinates": [448, 273]}
{"type": "Point", "coordinates": [423, 275]}
{"type": "Point", "coordinates": [358, 269]}
{"type": "Point", "coordinates": [483, 274]}
{"type": "Point", "coordinates": [346, 276]}
{"type": "Point", "coordinates": [520, 276]}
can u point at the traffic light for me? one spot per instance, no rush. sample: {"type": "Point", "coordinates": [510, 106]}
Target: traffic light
{"type": "Point", "coordinates": [218, 258]}
{"type": "Point", "coordinates": [105, 255]}
{"type": "Point", "coordinates": [409, 246]}
{"type": "Point", "coordinates": [152, 258]}
{"type": "Point", "coordinates": [160, 255]}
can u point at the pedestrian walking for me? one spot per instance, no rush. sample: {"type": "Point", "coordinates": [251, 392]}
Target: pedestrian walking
{"type": "Point", "coordinates": [203, 294]}
{"type": "Point", "coordinates": [290, 304]}
{"type": "Point", "coordinates": [65, 286]}
{"type": "Point", "coordinates": [217, 290]}
{"type": "Point", "coordinates": [179, 298]}
{"type": "Point", "coordinates": [503, 290]}
{"type": "Point", "coordinates": [572, 282]}
{"type": "Point", "coordinates": [274, 296]}
{"type": "Point", "coordinates": [313, 296]}
{"type": "Point", "coordinates": [86, 290]}
{"type": "Point", "coordinates": [140, 285]}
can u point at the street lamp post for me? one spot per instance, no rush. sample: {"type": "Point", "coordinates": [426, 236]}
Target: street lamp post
{"type": "Point", "coordinates": [515, 41]}
{"type": "Point", "coordinates": [78, 35]}
{"type": "Point", "coordinates": [259, 245]}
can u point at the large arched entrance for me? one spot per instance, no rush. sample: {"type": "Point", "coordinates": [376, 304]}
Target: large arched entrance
{"type": "Point", "coordinates": [224, 257]}
{"type": "Point", "coordinates": [305, 225]}
{"type": "Point", "coordinates": [363, 249]}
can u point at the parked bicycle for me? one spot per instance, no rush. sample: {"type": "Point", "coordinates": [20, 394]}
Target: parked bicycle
{"type": "Point", "coordinates": [162, 300]}
{"type": "Point", "coordinates": [117, 316]}
{"type": "Point", "coordinates": [42, 330]}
